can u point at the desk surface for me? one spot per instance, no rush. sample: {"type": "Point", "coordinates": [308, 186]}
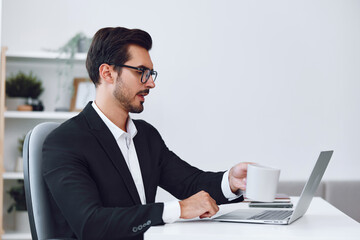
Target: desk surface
{"type": "Point", "coordinates": [321, 221]}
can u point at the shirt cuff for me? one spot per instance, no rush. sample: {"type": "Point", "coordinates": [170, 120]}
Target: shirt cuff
{"type": "Point", "coordinates": [225, 187]}
{"type": "Point", "coordinates": [171, 211]}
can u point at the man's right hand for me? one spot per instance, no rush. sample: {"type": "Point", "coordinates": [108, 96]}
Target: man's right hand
{"type": "Point", "coordinates": [198, 205]}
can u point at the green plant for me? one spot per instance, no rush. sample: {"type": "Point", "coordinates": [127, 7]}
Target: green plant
{"type": "Point", "coordinates": [24, 85]}
{"type": "Point", "coordinates": [21, 144]}
{"type": "Point", "coordinates": [17, 193]}
{"type": "Point", "coordinates": [78, 43]}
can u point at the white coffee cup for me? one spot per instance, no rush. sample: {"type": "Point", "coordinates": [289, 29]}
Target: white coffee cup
{"type": "Point", "coordinates": [261, 183]}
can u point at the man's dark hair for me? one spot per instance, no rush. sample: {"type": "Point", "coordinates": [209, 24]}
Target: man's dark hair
{"type": "Point", "coordinates": [110, 45]}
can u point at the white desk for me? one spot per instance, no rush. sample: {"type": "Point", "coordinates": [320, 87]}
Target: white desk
{"type": "Point", "coordinates": [321, 221]}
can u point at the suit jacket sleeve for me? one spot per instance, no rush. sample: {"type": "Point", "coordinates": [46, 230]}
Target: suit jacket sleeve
{"type": "Point", "coordinates": [183, 180]}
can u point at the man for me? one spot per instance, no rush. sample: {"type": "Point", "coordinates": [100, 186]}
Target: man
{"type": "Point", "coordinates": [102, 168]}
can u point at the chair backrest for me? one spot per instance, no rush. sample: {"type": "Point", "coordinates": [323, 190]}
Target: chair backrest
{"type": "Point", "coordinates": [37, 200]}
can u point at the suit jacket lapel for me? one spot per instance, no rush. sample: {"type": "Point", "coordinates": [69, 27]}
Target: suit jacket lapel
{"type": "Point", "coordinates": [108, 143]}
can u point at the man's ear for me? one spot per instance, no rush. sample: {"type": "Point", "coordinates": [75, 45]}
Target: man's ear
{"type": "Point", "coordinates": [106, 73]}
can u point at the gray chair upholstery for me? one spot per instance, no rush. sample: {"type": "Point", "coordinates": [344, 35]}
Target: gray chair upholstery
{"type": "Point", "coordinates": [294, 188]}
{"type": "Point", "coordinates": [344, 195]}
{"type": "Point", "coordinates": [37, 202]}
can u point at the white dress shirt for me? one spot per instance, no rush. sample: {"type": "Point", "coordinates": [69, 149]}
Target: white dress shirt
{"type": "Point", "coordinates": [125, 142]}
{"type": "Point", "coordinates": [127, 147]}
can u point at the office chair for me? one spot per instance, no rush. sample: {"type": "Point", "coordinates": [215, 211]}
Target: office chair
{"type": "Point", "coordinates": [37, 201]}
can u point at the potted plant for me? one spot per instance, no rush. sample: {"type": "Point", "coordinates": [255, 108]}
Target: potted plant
{"type": "Point", "coordinates": [22, 87]}
{"type": "Point", "coordinates": [17, 193]}
{"type": "Point", "coordinates": [19, 162]}
{"type": "Point", "coordinates": [79, 43]}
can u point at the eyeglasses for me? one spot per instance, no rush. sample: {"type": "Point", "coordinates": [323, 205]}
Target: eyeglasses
{"type": "Point", "coordinates": [145, 72]}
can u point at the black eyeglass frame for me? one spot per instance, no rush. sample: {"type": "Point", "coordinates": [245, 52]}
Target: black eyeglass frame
{"type": "Point", "coordinates": [143, 70]}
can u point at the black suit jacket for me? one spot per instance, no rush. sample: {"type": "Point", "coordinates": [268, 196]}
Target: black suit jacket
{"type": "Point", "coordinates": [92, 192]}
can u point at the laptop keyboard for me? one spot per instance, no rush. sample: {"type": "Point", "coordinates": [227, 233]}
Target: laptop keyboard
{"type": "Point", "coordinates": [271, 215]}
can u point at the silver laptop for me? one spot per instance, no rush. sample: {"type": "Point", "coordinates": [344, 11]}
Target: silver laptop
{"type": "Point", "coordinates": [283, 216]}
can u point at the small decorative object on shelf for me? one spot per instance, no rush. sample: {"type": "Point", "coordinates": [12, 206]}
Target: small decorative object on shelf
{"type": "Point", "coordinates": [36, 104]}
{"type": "Point", "coordinates": [17, 193]}
{"type": "Point", "coordinates": [24, 108]}
{"type": "Point", "coordinates": [84, 91]}
{"type": "Point", "coordinates": [21, 87]}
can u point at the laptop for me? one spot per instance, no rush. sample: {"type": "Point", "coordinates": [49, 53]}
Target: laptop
{"type": "Point", "coordinates": [283, 217]}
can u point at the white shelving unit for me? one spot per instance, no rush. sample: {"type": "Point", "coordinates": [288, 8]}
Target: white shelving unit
{"type": "Point", "coordinates": [39, 115]}
{"type": "Point", "coordinates": [42, 55]}
{"type": "Point", "coordinates": [13, 175]}
{"type": "Point", "coordinates": [16, 236]}
{"type": "Point", "coordinates": [18, 123]}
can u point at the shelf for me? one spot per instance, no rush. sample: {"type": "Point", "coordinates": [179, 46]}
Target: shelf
{"type": "Point", "coordinates": [16, 236]}
{"type": "Point", "coordinates": [43, 55]}
{"type": "Point", "coordinates": [39, 115]}
{"type": "Point", "coordinates": [13, 175]}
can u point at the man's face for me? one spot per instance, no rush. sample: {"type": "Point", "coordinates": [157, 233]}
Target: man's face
{"type": "Point", "coordinates": [129, 91]}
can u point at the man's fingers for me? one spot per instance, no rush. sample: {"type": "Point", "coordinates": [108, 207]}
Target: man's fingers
{"type": "Point", "coordinates": [199, 205]}
{"type": "Point", "coordinates": [213, 210]}
{"type": "Point", "coordinates": [239, 183]}
{"type": "Point", "coordinates": [240, 170]}
{"type": "Point", "coordinates": [237, 176]}
{"type": "Point", "coordinates": [205, 215]}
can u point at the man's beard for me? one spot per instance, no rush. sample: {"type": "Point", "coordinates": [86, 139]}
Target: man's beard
{"type": "Point", "coordinates": [122, 95]}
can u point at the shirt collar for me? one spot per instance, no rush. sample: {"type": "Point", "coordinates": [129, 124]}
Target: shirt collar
{"type": "Point", "coordinates": [115, 130]}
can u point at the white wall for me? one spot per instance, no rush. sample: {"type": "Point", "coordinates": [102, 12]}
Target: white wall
{"type": "Point", "coordinates": [273, 82]}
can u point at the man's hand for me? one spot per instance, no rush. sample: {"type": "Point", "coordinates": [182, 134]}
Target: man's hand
{"type": "Point", "coordinates": [237, 176]}
{"type": "Point", "coordinates": [198, 205]}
